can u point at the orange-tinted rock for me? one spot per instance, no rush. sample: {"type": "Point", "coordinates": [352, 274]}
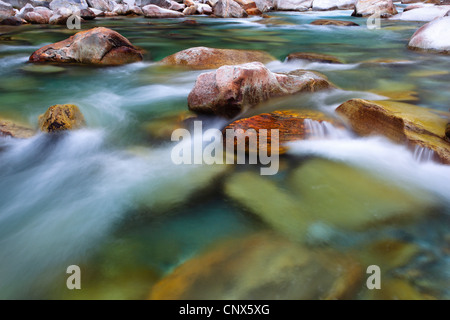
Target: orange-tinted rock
{"type": "Point", "coordinates": [210, 58]}
{"type": "Point", "coordinates": [330, 22]}
{"type": "Point", "coordinates": [230, 90]}
{"type": "Point", "coordinates": [61, 117]}
{"type": "Point", "coordinates": [291, 126]}
{"type": "Point", "coordinates": [400, 122]}
{"type": "Point", "coordinates": [315, 57]}
{"type": "Point", "coordinates": [95, 46]}
{"type": "Point", "coordinates": [262, 266]}
{"type": "Point", "coordinates": [11, 129]}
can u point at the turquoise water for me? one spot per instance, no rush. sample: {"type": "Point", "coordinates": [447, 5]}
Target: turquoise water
{"type": "Point", "coordinates": [109, 199]}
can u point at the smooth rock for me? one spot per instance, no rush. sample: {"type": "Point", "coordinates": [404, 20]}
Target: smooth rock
{"type": "Point", "coordinates": [422, 14]}
{"type": "Point", "coordinates": [13, 21]}
{"type": "Point", "coordinates": [433, 37]}
{"type": "Point", "coordinates": [165, 4]}
{"type": "Point", "coordinates": [400, 122]}
{"type": "Point", "coordinates": [60, 16]}
{"type": "Point", "coordinates": [87, 14]}
{"type": "Point", "coordinates": [40, 15]}
{"type": "Point", "coordinates": [11, 129]}
{"type": "Point", "coordinates": [178, 6]}
{"type": "Point", "coordinates": [61, 117]}
{"type": "Point", "coordinates": [290, 125]}
{"type": "Point", "coordinates": [210, 58]}
{"type": "Point", "coordinates": [315, 57]}
{"type": "Point", "coordinates": [293, 5]}
{"type": "Point", "coordinates": [189, 11]}
{"type": "Point", "coordinates": [231, 90]}
{"type": "Point", "coordinates": [365, 8]}
{"type": "Point", "coordinates": [153, 11]}
{"type": "Point", "coordinates": [104, 5]}
{"type": "Point", "coordinates": [229, 9]}
{"type": "Point", "coordinates": [204, 9]}
{"type": "Point", "coordinates": [330, 22]}
{"type": "Point", "coordinates": [265, 5]}
{"type": "Point", "coordinates": [262, 266]}
{"type": "Point", "coordinates": [324, 5]}
{"type": "Point", "coordinates": [74, 5]}
{"type": "Point", "coordinates": [95, 46]}
{"type": "Point", "coordinates": [6, 10]}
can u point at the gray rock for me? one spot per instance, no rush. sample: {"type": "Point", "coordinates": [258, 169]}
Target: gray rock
{"type": "Point", "coordinates": [6, 10]}
{"type": "Point", "coordinates": [104, 5]}
{"type": "Point", "coordinates": [74, 5]}
{"type": "Point", "coordinates": [229, 9]}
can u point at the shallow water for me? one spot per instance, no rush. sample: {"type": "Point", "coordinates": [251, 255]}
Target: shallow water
{"type": "Point", "coordinates": [109, 199]}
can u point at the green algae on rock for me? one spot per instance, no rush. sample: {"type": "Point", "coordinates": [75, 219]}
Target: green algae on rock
{"type": "Point", "coordinates": [61, 117]}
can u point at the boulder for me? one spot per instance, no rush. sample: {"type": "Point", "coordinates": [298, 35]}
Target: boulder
{"type": "Point", "coordinates": [189, 11]}
{"type": "Point", "coordinates": [13, 21]}
{"type": "Point", "coordinates": [231, 90]}
{"type": "Point", "coordinates": [293, 5]}
{"type": "Point", "coordinates": [422, 14]}
{"type": "Point", "coordinates": [104, 5]}
{"type": "Point", "coordinates": [400, 122]}
{"type": "Point", "coordinates": [74, 5]}
{"type": "Point", "coordinates": [249, 6]}
{"type": "Point", "coordinates": [314, 57]}
{"type": "Point", "coordinates": [329, 194]}
{"type": "Point", "coordinates": [6, 10]}
{"type": "Point", "coordinates": [262, 266]}
{"type": "Point", "coordinates": [87, 14]}
{"type": "Point", "coordinates": [95, 46]}
{"type": "Point", "coordinates": [265, 5]}
{"type": "Point", "coordinates": [201, 58]}
{"type": "Point", "coordinates": [290, 124]}
{"type": "Point", "coordinates": [366, 8]}
{"type": "Point", "coordinates": [165, 4]}
{"type": "Point", "coordinates": [229, 9]}
{"type": "Point", "coordinates": [204, 8]}
{"type": "Point", "coordinates": [324, 5]}
{"type": "Point", "coordinates": [11, 129]}
{"type": "Point", "coordinates": [153, 11]}
{"type": "Point", "coordinates": [61, 117]}
{"type": "Point", "coordinates": [330, 22]}
{"type": "Point", "coordinates": [60, 16]}
{"type": "Point", "coordinates": [40, 15]}
{"type": "Point", "coordinates": [433, 37]}
{"type": "Point", "coordinates": [178, 6]}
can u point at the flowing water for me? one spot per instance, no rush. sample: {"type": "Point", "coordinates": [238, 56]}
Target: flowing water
{"type": "Point", "coordinates": [109, 199]}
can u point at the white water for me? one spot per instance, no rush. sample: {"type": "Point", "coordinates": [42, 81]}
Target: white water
{"type": "Point", "coordinates": [422, 154]}
{"type": "Point", "coordinates": [324, 130]}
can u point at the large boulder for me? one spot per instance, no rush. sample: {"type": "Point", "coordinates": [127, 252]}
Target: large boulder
{"type": "Point", "coordinates": [40, 15]}
{"type": "Point", "coordinates": [60, 16]}
{"type": "Point", "coordinates": [104, 5]}
{"type": "Point", "coordinates": [400, 122]}
{"type": "Point", "coordinates": [249, 6]}
{"type": "Point", "coordinates": [262, 266]}
{"type": "Point", "coordinates": [423, 14]}
{"type": "Point", "coordinates": [18, 4]}
{"type": "Point", "coordinates": [74, 5]}
{"type": "Point", "coordinates": [365, 8]}
{"type": "Point", "coordinates": [95, 46]}
{"type": "Point", "coordinates": [61, 117]}
{"type": "Point", "coordinates": [433, 36]}
{"type": "Point", "coordinates": [265, 5]}
{"type": "Point", "coordinates": [292, 125]}
{"type": "Point", "coordinates": [153, 11]}
{"type": "Point", "coordinates": [293, 5]}
{"type": "Point", "coordinates": [6, 10]}
{"type": "Point", "coordinates": [11, 129]}
{"type": "Point", "coordinates": [201, 58]}
{"type": "Point", "coordinates": [166, 4]}
{"type": "Point", "coordinates": [229, 9]}
{"type": "Point", "coordinates": [322, 5]}
{"type": "Point", "coordinates": [230, 90]}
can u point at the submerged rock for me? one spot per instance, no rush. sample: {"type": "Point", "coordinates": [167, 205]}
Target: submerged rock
{"type": "Point", "coordinates": [400, 122]}
{"type": "Point", "coordinates": [153, 11]}
{"type": "Point", "coordinates": [322, 192]}
{"type": "Point", "coordinates": [330, 22]}
{"type": "Point", "coordinates": [11, 129]}
{"type": "Point", "coordinates": [61, 117]}
{"type": "Point", "coordinates": [290, 125]}
{"type": "Point", "coordinates": [315, 57]}
{"type": "Point", "coordinates": [262, 266]}
{"type": "Point", "coordinates": [293, 5]}
{"type": "Point", "coordinates": [231, 90]}
{"type": "Point", "coordinates": [229, 9]}
{"type": "Point", "coordinates": [95, 46]}
{"type": "Point", "coordinates": [210, 58]}
{"type": "Point", "coordinates": [365, 8]}
{"type": "Point", "coordinates": [433, 37]}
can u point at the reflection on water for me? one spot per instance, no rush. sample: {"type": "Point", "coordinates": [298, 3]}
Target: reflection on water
{"type": "Point", "coordinates": [111, 201]}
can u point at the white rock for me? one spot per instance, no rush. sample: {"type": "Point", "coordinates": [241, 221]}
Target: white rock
{"type": "Point", "coordinates": [6, 10]}
{"type": "Point", "coordinates": [293, 5]}
{"type": "Point", "coordinates": [153, 11]}
{"type": "Point", "coordinates": [433, 36]}
{"type": "Point", "coordinates": [423, 14]}
{"type": "Point", "coordinates": [321, 5]}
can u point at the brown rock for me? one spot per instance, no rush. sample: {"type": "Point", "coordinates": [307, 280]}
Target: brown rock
{"type": "Point", "coordinates": [290, 124]}
{"type": "Point", "coordinates": [229, 9]}
{"type": "Point", "coordinates": [316, 57]}
{"type": "Point", "coordinates": [13, 21]}
{"type": "Point", "coordinates": [153, 11]}
{"type": "Point", "coordinates": [210, 58]}
{"type": "Point", "coordinates": [400, 122]}
{"type": "Point", "coordinates": [87, 14]}
{"type": "Point", "coordinates": [330, 22]}
{"type": "Point", "coordinates": [11, 129]}
{"type": "Point", "coordinates": [246, 4]}
{"type": "Point", "coordinates": [253, 12]}
{"type": "Point", "coordinates": [189, 11]}
{"type": "Point", "coordinates": [61, 117]}
{"type": "Point", "coordinates": [262, 266]}
{"type": "Point", "coordinates": [95, 46]}
{"type": "Point", "coordinates": [365, 8]}
{"type": "Point", "coordinates": [231, 90]}
{"type": "Point", "coordinates": [447, 131]}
